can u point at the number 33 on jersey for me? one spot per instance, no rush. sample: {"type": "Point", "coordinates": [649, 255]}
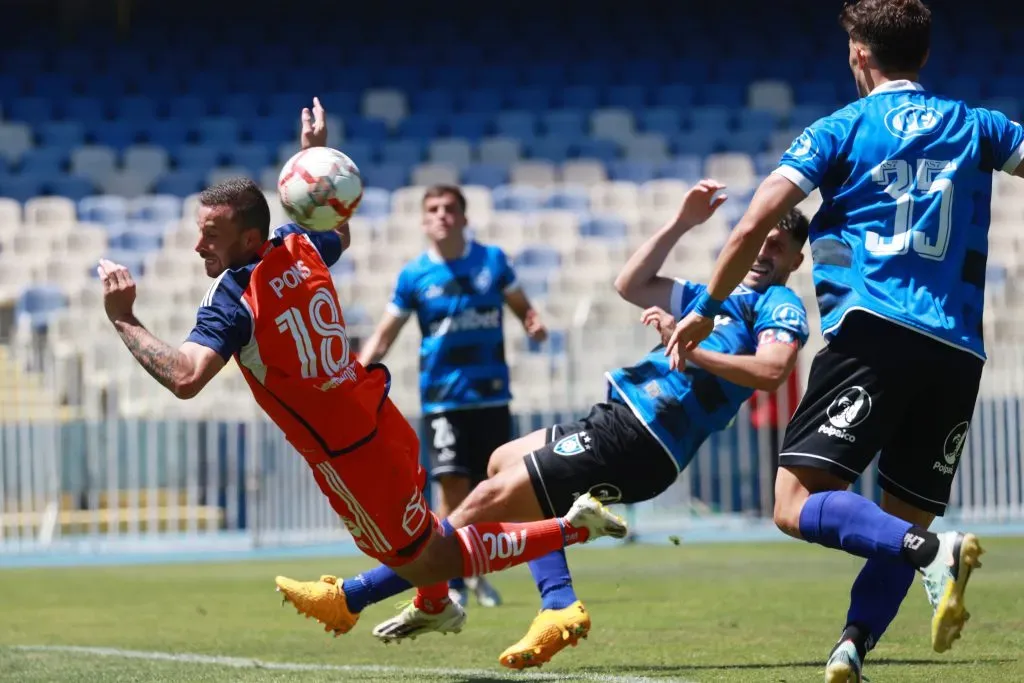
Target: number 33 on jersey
{"type": "Point", "coordinates": [279, 317]}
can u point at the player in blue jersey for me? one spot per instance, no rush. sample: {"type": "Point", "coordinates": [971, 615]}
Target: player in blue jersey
{"type": "Point", "coordinates": [631, 447]}
{"type": "Point", "coordinates": [899, 249]}
{"type": "Point", "coordinates": [458, 289]}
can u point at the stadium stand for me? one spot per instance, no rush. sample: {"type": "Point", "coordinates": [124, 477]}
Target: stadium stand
{"type": "Point", "coordinates": [575, 134]}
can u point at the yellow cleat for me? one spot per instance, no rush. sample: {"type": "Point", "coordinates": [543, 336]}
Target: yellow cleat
{"type": "Point", "coordinates": [551, 631]}
{"type": "Point", "coordinates": [323, 600]}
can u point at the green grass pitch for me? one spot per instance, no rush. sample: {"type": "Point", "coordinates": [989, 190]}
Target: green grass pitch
{"type": "Point", "coordinates": [767, 612]}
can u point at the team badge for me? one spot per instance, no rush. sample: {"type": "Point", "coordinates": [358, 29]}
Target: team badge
{"type": "Point", "coordinates": [573, 445]}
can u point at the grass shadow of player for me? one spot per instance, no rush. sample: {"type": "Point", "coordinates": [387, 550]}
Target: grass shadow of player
{"type": "Point", "coordinates": [682, 669]}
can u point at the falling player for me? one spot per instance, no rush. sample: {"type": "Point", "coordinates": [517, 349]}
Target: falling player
{"type": "Point", "coordinates": [633, 446]}
{"type": "Point", "coordinates": [273, 308]}
{"type": "Point", "coordinates": [458, 289]}
{"type": "Point", "coordinates": [899, 248]}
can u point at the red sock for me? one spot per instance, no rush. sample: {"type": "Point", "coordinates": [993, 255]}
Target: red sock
{"type": "Point", "coordinates": [432, 599]}
{"type": "Point", "coordinates": [492, 546]}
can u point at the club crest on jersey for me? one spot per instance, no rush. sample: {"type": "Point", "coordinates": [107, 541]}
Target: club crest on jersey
{"type": "Point", "coordinates": [802, 147]}
{"type": "Point", "coordinates": [790, 316]}
{"type": "Point", "coordinates": [573, 445]}
{"type": "Point", "coordinates": [483, 280]}
{"type": "Point", "coordinates": [910, 120]}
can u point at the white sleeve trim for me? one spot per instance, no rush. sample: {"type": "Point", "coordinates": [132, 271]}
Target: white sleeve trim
{"type": "Point", "coordinates": [676, 298]}
{"type": "Point", "coordinates": [1015, 160]}
{"type": "Point", "coordinates": [397, 312]}
{"type": "Point", "coordinates": [511, 287]}
{"type": "Point", "coordinates": [796, 177]}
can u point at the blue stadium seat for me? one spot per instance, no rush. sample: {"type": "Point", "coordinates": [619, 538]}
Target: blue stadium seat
{"type": "Point", "coordinates": [65, 134]}
{"type": "Point", "coordinates": [244, 81]}
{"type": "Point", "coordinates": [22, 187]}
{"type": "Point", "coordinates": [518, 124]}
{"type": "Point", "coordinates": [170, 133]}
{"type": "Point", "coordinates": [688, 167]}
{"type": "Point", "coordinates": [218, 131]}
{"type": "Point", "coordinates": [469, 125]}
{"type": "Point", "coordinates": [403, 77]}
{"type": "Point", "coordinates": [545, 74]}
{"type": "Point", "coordinates": [762, 121]}
{"type": "Point", "coordinates": [85, 110]}
{"type": "Point", "coordinates": [816, 92]}
{"type": "Point", "coordinates": [38, 304]}
{"type": "Point", "coordinates": [136, 107]}
{"type": "Point", "coordinates": [604, 227]}
{"type": "Point", "coordinates": [569, 123]}
{"type": "Point", "coordinates": [73, 187]}
{"type": "Point", "coordinates": [700, 143]}
{"type": "Point", "coordinates": [713, 120]}
{"type": "Point", "coordinates": [287, 105]}
{"type": "Point", "coordinates": [535, 286]}
{"type": "Point", "coordinates": [140, 241]}
{"type": "Point", "coordinates": [376, 203]}
{"type": "Point", "coordinates": [676, 95]}
{"type": "Point", "coordinates": [568, 198]}
{"type": "Point", "coordinates": [187, 107]}
{"type": "Point", "coordinates": [530, 99]}
{"type": "Point", "coordinates": [444, 75]}
{"type": "Point", "coordinates": [103, 209]}
{"type": "Point", "coordinates": [517, 198]}
{"type": "Point", "coordinates": [345, 269]}
{"type": "Point", "coordinates": [134, 261]}
{"type": "Point", "coordinates": [723, 94]}
{"type": "Point", "coordinates": [370, 130]}
{"type": "Point", "coordinates": [421, 127]}
{"type": "Point", "coordinates": [45, 160]}
{"type": "Point", "coordinates": [361, 152]}
{"type": "Point", "coordinates": [155, 208]}
{"type": "Point", "coordinates": [580, 97]}
{"type": "Point", "coordinates": [804, 115]}
{"type": "Point", "coordinates": [29, 109]}
{"type": "Point", "coordinates": [537, 257]}
{"type": "Point", "coordinates": [408, 152]}
{"type": "Point", "coordinates": [627, 96]}
{"type": "Point", "coordinates": [664, 120]}
{"type": "Point", "coordinates": [487, 175]}
{"type": "Point", "coordinates": [632, 171]}
{"type": "Point", "coordinates": [196, 158]}
{"type": "Point", "coordinates": [269, 131]}
{"type": "Point", "coordinates": [253, 156]}
{"type": "Point", "coordinates": [240, 106]}
{"type": "Point", "coordinates": [387, 176]}
{"type": "Point", "coordinates": [481, 100]}
{"type": "Point", "coordinates": [553, 148]}
{"type": "Point", "coordinates": [639, 72]}
{"type": "Point", "coordinates": [750, 142]}
{"type": "Point", "coordinates": [115, 134]}
{"type": "Point", "coordinates": [496, 76]}
{"type": "Point", "coordinates": [591, 148]}
{"type": "Point", "coordinates": [53, 85]}
{"type": "Point", "coordinates": [596, 71]}
{"type": "Point", "coordinates": [181, 182]}
{"type": "Point", "coordinates": [432, 102]}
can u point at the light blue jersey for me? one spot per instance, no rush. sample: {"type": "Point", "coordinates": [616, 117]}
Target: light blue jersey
{"type": "Point", "coordinates": [459, 305]}
{"type": "Point", "coordinates": [906, 182]}
{"type": "Point", "coordinates": [681, 409]}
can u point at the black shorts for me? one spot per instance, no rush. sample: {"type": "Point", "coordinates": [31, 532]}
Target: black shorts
{"type": "Point", "coordinates": [609, 454]}
{"type": "Point", "coordinates": [881, 388]}
{"type": "Point", "coordinates": [460, 442]}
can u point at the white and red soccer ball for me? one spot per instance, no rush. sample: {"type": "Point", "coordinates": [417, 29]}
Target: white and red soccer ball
{"type": "Point", "coordinates": [320, 188]}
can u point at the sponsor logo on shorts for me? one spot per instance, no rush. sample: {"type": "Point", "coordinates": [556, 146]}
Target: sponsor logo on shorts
{"type": "Point", "coordinates": [847, 411]}
{"type": "Point", "coordinates": [952, 449]}
{"type": "Point", "coordinates": [573, 444]}
{"type": "Point", "coordinates": [415, 515]}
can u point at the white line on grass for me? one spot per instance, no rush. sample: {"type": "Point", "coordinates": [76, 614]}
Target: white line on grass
{"type": "Point", "coordinates": [246, 663]}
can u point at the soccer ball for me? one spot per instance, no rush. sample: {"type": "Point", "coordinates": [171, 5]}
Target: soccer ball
{"type": "Point", "coordinates": [320, 188]}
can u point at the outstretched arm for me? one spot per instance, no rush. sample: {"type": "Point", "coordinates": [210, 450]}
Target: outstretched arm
{"type": "Point", "coordinates": [185, 370]}
{"type": "Point", "coordinates": [638, 282]}
{"type": "Point", "coordinates": [766, 370]}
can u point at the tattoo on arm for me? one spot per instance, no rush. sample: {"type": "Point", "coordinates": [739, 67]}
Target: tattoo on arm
{"type": "Point", "coordinates": [163, 362]}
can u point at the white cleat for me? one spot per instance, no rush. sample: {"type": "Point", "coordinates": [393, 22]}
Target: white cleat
{"type": "Point", "coordinates": [589, 513]}
{"type": "Point", "coordinates": [486, 594]}
{"type": "Point", "coordinates": [412, 622]}
{"type": "Point", "coordinates": [945, 581]}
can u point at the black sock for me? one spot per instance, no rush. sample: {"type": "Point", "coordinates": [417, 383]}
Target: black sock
{"type": "Point", "coordinates": [861, 638]}
{"type": "Point", "coordinates": [920, 546]}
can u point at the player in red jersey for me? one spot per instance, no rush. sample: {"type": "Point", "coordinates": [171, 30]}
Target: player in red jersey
{"type": "Point", "coordinates": [273, 308]}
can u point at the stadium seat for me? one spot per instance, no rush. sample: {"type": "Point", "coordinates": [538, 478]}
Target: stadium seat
{"type": "Point", "coordinates": [38, 304]}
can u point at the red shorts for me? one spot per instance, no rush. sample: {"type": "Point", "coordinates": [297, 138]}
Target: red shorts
{"type": "Point", "coordinates": [377, 490]}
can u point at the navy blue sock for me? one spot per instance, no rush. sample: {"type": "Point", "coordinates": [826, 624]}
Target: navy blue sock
{"type": "Point", "coordinates": [876, 597]}
{"type": "Point", "coordinates": [380, 583]}
{"type": "Point", "coordinates": [551, 573]}
{"type": "Point", "coordinates": [457, 584]}
{"type": "Point", "coordinates": [849, 522]}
